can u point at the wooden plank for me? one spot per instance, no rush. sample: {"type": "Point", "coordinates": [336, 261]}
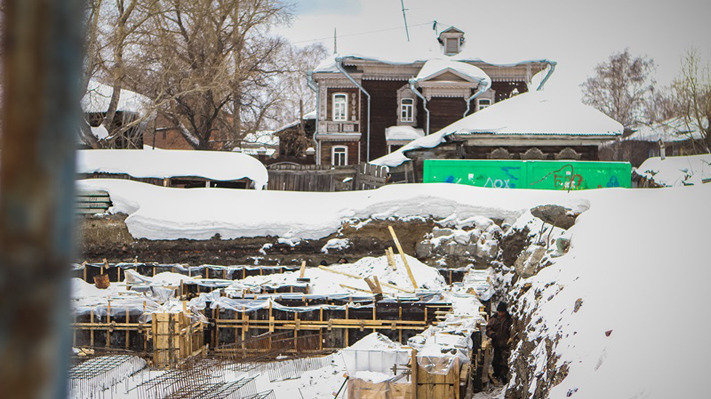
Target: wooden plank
{"type": "Point", "coordinates": [402, 255]}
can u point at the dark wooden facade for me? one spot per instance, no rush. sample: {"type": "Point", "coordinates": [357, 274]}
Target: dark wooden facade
{"type": "Point", "coordinates": [446, 94]}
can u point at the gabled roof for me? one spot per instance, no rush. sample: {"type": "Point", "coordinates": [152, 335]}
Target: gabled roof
{"type": "Point", "coordinates": [438, 66]}
{"type": "Point", "coordinates": [452, 29]}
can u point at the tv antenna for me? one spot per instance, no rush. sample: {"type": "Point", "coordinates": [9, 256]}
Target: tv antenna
{"type": "Point", "coordinates": [404, 17]}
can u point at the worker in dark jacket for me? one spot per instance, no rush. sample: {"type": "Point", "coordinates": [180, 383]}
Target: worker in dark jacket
{"type": "Point", "coordinates": [499, 330]}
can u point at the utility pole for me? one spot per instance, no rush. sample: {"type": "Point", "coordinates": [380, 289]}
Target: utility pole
{"type": "Point", "coordinates": [335, 42]}
{"type": "Point", "coordinates": [404, 17]}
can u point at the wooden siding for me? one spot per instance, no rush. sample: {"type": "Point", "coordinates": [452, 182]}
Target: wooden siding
{"type": "Point", "coordinates": [352, 147]}
{"type": "Point", "coordinates": [383, 113]}
{"type": "Point", "coordinates": [445, 111]}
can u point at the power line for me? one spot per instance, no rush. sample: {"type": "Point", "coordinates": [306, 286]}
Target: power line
{"type": "Point", "coordinates": [362, 33]}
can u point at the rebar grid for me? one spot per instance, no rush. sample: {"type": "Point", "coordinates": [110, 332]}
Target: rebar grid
{"type": "Point", "coordinates": [262, 395]}
{"type": "Point", "coordinates": [98, 365]}
{"type": "Point", "coordinates": [100, 374]}
{"type": "Point", "coordinates": [188, 377]}
{"type": "Point", "coordinates": [218, 390]}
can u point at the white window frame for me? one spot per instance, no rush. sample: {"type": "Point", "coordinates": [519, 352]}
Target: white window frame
{"type": "Point", "coordinates": [334, 115]}
{"type": "Point", "coordinates": [344, 153]}
{"type": "Point", "coordinates": [410, 106]}
{"type": "Point", "coordinates": [480, 106]}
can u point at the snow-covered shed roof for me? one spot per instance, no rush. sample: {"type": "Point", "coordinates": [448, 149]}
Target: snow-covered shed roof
{"type": "Point", "coordinates": [677, 171]}
{"type": "Point", "coordinates": [98, 97]}
{"type": "Point", "coordinates": [212, 165]}
{"type": "Point", "coordinates": [671, 130]}
{"type": "Point", "coordinates": [261, 137]}
{"type": "Point", "coordinates": [438, 66]}
{"type": "Point", "coordinates": [538, 113]}
{"type": "Point", "coordinates": [531, 113]}
{"type": "Point", "coordinates": [403, 133]}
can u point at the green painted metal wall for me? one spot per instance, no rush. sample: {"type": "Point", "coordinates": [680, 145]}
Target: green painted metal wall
{"type": "Point", "coordinates": [542, 175]}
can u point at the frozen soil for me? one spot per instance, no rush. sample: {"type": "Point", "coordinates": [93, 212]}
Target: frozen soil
{"type": "Point", "coordinates": [108, 237]}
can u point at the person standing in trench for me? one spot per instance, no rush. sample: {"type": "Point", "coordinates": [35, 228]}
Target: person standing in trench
{"type": "Point", "coordinates": [499, 330]}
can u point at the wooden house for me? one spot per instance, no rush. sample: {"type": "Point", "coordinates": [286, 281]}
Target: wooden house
{"type": "Point", "coordinates": [673, 137]}
{"type": "Point", "coordinates": [360, 98]}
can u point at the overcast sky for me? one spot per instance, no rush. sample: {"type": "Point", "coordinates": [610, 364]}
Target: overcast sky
{"type": "Point", "coordinates": [576, 34]}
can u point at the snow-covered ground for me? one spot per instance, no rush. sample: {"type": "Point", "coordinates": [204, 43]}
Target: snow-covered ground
{"type": "Point", "coordinates": [171, 213]}
{"type": "Point", "coordinates": [677, 171]}
{"type": "Point", "coordinates": [639, 268]}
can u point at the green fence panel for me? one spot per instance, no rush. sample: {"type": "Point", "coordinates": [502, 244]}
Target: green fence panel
{"type": "Point", "coordinates": [543, 175]}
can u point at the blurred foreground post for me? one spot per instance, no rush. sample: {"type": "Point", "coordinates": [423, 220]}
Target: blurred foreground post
{"type": "Point", "coordinates": [42, 41]}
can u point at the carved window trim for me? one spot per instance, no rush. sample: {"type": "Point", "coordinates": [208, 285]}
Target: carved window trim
{"type": "Point", "coordinates": [339, 109]}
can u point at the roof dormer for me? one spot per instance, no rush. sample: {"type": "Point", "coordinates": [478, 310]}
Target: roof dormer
{"type": "Point", "coordinates": [451, 40]}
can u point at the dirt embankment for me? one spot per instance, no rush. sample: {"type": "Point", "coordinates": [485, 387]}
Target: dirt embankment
{"type": "Point", "coordinates": [108, 237]}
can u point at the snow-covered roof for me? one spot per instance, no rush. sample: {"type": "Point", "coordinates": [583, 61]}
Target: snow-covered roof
{"type": "Point", "coordinates": [255, 151]}
{"type": "Point", "coordinates": [531, 113]}
{"type": "Point", "coordinates": [401, 133]}
{"type": "Point", "coordinates": [98, 97]}
{"type": "Point", "coordinates": [677, 171]}
{"type": "Point", "coordinates": [438, 66]}
{"type": "Point", "coordinates": [671, 130]}
{"type": "Point", "coordinates": [212, 165]}
{"type": "Point", "coordinates": [261, 137]}
{"type": "Point", "coordinates": [329, 64]}
{"type": "Point", "coordinates": [308, 116]}
{"type": "Point", "coordinates": [538, 113]}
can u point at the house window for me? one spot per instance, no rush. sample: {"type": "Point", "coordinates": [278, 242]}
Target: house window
{"type": "Point", "coordinates": [407, 106]}
{"type": "Point", "coordinates": [483, 103]}
{"type": "Point", "coordinates": [340, 107]}
{"type": "Point", "coordinates": [339, 155]}
{"type": "Point", "coordinates": [452, 45]}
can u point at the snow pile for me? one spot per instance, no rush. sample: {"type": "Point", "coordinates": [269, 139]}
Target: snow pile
{"type": "Point", "coordinates": [437, 66]}
{"type": "Point", "coordinates": [169, 213]}
{"type": "Point", "coordinates": [98, 97]}
{"type": "Point", "coordinates": [336, 244]}
{"type": "Point", "coordinates": [677, 171]}
{"type": "Point", "coordinates": [671, 130]}
{"type": "Point", "coordinates": [403, 133]}
{"type": "Point", "coordinates": [611, 308]}
{"type": "Point", "coordinates": [327, 282]}
{"type": "Point", "coordinates": [213, 165]}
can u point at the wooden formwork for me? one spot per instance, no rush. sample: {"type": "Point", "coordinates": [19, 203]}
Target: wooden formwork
{"type": "Point", "coordinates": [171, 337]}
{"type": "Point", "coordinates": [243, 327]}
{"type": "Point", "coordinates": [175, 338]}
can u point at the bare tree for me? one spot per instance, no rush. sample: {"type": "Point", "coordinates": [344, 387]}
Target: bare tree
{"type": "Point", "coordinates": [620, 87]}
{"type": "Point", "coordinates": [207, 63]}
{"type": "Point", "coordinates": [693, 88]}
{"type": "Point", "coordinates": [112, 29]}
{"type": "Point", "coordinates": [292, 87]}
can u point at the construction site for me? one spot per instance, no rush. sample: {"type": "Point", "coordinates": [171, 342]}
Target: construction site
{"type": "Point", "coordinates": [390, 326]}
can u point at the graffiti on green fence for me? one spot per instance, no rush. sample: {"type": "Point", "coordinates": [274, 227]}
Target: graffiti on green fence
{"type": "Point", "coordinates": [550, 175]}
